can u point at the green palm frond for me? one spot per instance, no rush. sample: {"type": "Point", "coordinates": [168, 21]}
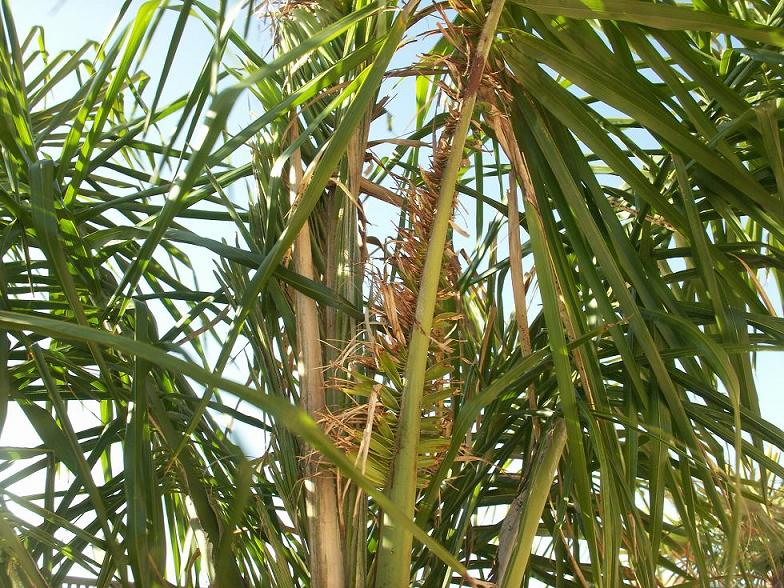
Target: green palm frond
{"type": "Point", "coordinates": [448, 293]}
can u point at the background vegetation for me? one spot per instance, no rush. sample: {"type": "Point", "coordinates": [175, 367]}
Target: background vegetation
{"type": "Point", "coordinates": [235, 379]}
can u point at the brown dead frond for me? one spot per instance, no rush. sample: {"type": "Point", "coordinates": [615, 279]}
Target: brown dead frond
{"type": "Point", "coordinates": [345, 427]}
{"type": "Point", "coordinates": [282, 9]}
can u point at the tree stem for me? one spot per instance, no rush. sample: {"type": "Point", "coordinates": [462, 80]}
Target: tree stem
{"type": "Point", "coordinates": [321, 507]}
{"type": "Point", "coordinates": [394, 559]}
{"type": "Point", "coordinates": [533, 501]}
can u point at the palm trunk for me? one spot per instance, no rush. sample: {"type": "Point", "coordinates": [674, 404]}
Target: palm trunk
{"type": "Point", "coordinates": [326, 558]}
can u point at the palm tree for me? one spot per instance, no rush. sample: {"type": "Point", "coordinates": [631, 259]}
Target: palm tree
{"type": "Point", "coordinates": [235, 372]}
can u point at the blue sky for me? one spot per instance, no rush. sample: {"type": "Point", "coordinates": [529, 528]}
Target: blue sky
{"type": "Point", "coordinates": [68, 23]}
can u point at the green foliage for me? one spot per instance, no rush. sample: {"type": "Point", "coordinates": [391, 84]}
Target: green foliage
{"type": "Point", "coordinates": [149, 336]}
